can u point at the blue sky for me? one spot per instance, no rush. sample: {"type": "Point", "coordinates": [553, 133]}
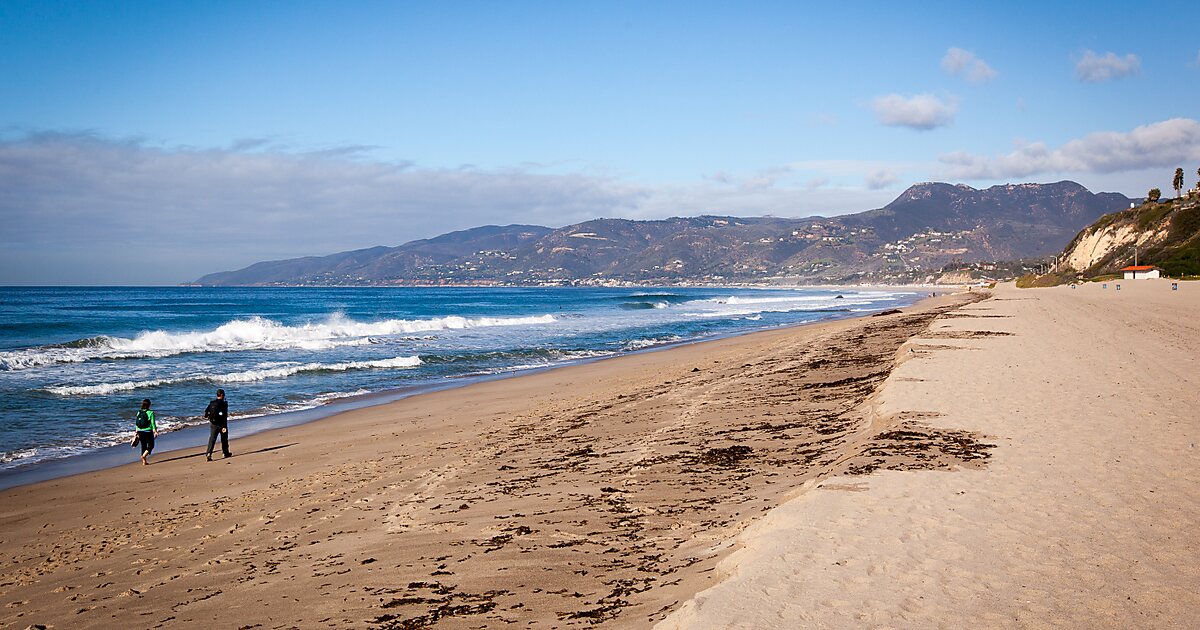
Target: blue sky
{"type": "Point", "coordinates": [218, 134]}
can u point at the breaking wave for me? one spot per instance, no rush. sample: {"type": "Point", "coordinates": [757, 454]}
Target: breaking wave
{"type": "Point", "coordinates": [255, 333]}
{"type": "Point", "coordinates": [644, 305]}
{"type": "Point", "coordinates": [645, 300]}
{"type": "Point", "coordinates": [247, 376]}
{"type": "Point", "coordinates": [733, 306]}
{"type": "Point", "coordinates": [641, 344]}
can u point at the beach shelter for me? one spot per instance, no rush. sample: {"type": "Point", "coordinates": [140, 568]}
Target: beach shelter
{"type": "Point", "coordinates": [1140, 272]}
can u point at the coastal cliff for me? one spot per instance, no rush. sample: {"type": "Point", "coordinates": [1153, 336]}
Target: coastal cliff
{"type": "Point", "coordinates": [1165, 234]}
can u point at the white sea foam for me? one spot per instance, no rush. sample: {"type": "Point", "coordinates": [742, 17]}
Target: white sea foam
{"type": "Point", "coordinates": [560, 358]}
{"type": "Point", "coordinates": [18, 455]}
{"type": "Point", "coordinates": [316, 401]}
{"type": "Point", "coordinates": [263, 373]}
{"type": "Point", "coordinates": [773, 300]}
{"type": "Point", "coordinates": [639, 344]}
{"type": "Point", "coordinates": [255, 333]}
{"type": "Point", "coordinates": [735, 306]}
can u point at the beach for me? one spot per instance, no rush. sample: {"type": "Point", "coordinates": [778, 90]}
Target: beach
{"type": "Point", "coordinates": [1083, 517]}
{"type": "Point", "coordinates": [1025, 460]}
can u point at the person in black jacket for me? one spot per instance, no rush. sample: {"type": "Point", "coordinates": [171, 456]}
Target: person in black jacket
{"type": "Point", "coordinates": [218, 424]}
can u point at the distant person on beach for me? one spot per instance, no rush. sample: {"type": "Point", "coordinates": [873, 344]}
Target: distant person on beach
{"type": "Point", "coordinates": [218, 424]}
{"type": "Point", "coordinates": [145, 430]}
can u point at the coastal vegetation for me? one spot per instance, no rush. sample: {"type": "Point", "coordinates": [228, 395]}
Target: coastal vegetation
{"type": "Point", "coordinates": [1050, 279]}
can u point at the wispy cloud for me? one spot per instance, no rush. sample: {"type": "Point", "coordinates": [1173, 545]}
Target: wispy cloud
{"type": "Point", "coordinates": [83, 208]}
{"type": "Point", "coordinates": [964, 63]}
{"type": "Point", "coordinates": [1093, 68]}
{"type": "Point", "coordinates": [880, 179]}
{"type": "Point", "coordinates": [175, 208]}
{"type": "Point", "coordinates": [1161, 144]}
{"type": "Point", "coordinates": [757, 180]}
{"type": "Point", "coordinates": [922, 111]}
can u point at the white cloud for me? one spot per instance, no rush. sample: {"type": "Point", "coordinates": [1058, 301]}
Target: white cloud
{"type": "Point", "coordinates": [880, 179]}
{"type": "Point", "coordinates": [1161, 144]}
{"type": "Point", "coordinates": [964, 63]}
{"type": "Point", "coordinates": [922, 112]}
{"type": "Point", "coordinates": [1093, 68]}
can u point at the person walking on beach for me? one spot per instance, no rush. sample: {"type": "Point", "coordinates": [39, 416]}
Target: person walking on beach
{"type": "Point", "coordinates": [217, 413]}
{"type": "Point", "coordinates": [145, 430]}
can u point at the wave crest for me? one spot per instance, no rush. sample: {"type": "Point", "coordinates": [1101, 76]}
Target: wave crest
{"type": "Point", "coordinates": [247, 376]}
{"type": "Point", "coordinates": [255, 333]}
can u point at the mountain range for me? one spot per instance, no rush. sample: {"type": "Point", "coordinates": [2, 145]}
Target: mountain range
{"type": "Point", "coordinates": [928, 226]}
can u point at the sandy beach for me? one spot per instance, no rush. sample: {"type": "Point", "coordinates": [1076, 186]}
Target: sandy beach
{"type": "Point", "coordinates": [1084, 516]}
{"type": "Point", "coordinates": [1027, 460]}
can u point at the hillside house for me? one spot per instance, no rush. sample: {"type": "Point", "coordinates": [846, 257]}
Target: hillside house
{"type": "Point", "coordinates": [1140, 272]}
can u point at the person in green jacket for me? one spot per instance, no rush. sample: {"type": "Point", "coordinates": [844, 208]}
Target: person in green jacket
{"type": "Point", "coordinates": [146, 430]}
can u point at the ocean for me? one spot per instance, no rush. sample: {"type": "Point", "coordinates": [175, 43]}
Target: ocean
{"type": "Point", "coordinates": [76, 362]}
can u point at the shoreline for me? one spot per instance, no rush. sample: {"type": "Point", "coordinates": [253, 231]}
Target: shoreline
{"type": "Point", "coordinates": [606, 491]}
{"type": "Point", "coordinates": [191, 436]}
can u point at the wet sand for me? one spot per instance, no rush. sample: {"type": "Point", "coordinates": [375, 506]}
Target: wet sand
{"type": "Point", "coordinates": [1084, 516]}
{"type": "Point", "coordinates": [599, 493]}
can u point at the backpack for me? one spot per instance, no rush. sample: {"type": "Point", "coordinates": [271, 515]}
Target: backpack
{"type": "Point", "coordinates": [142, 423]}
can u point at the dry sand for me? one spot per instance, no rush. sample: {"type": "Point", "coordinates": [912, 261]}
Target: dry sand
{"type": "Point", "coordinates": [603, 492]}
{"type": "Point", "coordinates": [1085, 516]}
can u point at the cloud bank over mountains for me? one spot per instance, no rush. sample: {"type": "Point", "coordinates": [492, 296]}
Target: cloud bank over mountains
{"type": "Point", "coordinates": [50, 181]}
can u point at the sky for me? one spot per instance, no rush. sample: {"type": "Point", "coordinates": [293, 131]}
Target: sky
{"type": "Point", "coordinates": [154, 142]}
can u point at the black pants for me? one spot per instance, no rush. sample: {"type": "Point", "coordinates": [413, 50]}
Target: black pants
{"type": "Point", "coordinates": [213, 432]}
{"type": "Point", "coordinates": [146, 440]}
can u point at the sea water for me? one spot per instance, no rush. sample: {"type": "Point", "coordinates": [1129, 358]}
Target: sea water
{"type": "Point", "coordinates": [76, 362]}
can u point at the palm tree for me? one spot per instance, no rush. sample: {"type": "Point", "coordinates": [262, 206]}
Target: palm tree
{"type": "Point", "coordinates": [1178, 183]}
{"type": "Point", "coordinates": [1154, 194]}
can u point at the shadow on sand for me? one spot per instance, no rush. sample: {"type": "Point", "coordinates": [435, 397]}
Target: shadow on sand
{"type": "Point", "coordinates": [201, 453]}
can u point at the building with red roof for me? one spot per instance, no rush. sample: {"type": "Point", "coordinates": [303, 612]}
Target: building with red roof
{"type": "Point", "coordinates": [1140, 272]}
